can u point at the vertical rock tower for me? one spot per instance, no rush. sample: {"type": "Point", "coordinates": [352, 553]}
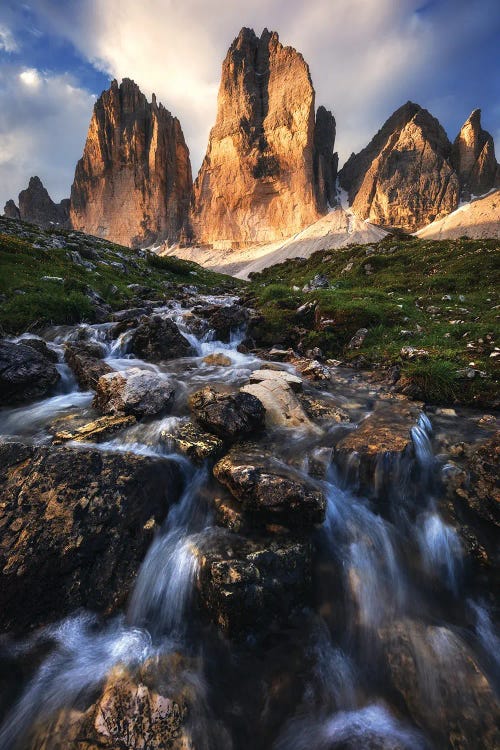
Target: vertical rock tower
{"type": "Point", "coordinates": [133, 183]}
{"type": "Point", "coordinates": [259, 179]}
{"type": "Point", "coordinates": [473, 157]}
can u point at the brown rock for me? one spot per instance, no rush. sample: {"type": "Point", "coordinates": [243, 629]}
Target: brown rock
{"type": "Point", "coordinates": [473, 157]}
{"type": "Point", "coordinates": [269, 490]}
{"type": "Point", "coordinates": [227, 415]}
{"type": "Point", "coordinates": [404, 177]}
{"type": "Point", "coordinates": [86, 367]}
{"type": "Point", "coordinates": [95, 431]}
{"type": "Point", "coordinates": [133, 183]}
{"type": "Point", "coordinates": [257, 181]}
{"type": "Point", "coordinates": [217, 359]}
{"type": "Point", "coordinates": [195, 443]}
{"type": "Point", "coordinates": [138, 392]}
{"type": "Point", "coordinates": [75, 525]}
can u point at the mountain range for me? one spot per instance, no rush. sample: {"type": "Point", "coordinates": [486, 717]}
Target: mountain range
{"type": "Point", "coordinates": [270, 170]}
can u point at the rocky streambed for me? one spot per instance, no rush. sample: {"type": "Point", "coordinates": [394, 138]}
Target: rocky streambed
{"type": "Point", "coordinates": [212, 547]}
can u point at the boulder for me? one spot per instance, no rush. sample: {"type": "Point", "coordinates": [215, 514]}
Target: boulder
{"type": "Point", "coordinates": [40, 346]}
{"type": "Point", "coordinates": [86, 363]}
{"type": "Point", "coordinates": [358, 339]}
{"type": "Point", "coordinates": [442, 684]}
{"type": "Point", "coordinates": [158, 338]}
{"type": "Point", "coordinates": [280, 403]}
{"type": "Point", "coordinates": [227, 415]}
{"type": "Point", "coordinates": [270, 490]}
{"type": "Point", "coordinates": [134, 709]}
{"type": "Point", "coordinates": [76, 525]}
{"type": "Point", "coordinates": [224, 320]}
{"type": "Point", "coordinates": [249, 586]}
{"type": "Point", "coordinates": [25, 374]}
{"type": "Point", "coordinates": [193, 442]}
{"type": "Point", "coordinates": [138, 392]}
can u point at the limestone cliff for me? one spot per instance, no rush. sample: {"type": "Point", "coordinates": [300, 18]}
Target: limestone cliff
{"type": "Point", "coordinates": [37, 207]}
{"type": "Point", "coordinates": [133, 183]}
{"type": "Point", "coordinates": [257, 181]}
{"type": "Point", "coordinates": [473, 157]}
{"type": "Point", "coordinates": [404, 177]}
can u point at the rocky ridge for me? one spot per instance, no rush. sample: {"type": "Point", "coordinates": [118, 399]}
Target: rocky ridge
{"type": "Point", "coordinates": [37, 207]}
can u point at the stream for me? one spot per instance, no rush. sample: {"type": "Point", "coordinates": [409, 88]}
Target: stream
{"type": "Point", "coordinates": [393, 609]}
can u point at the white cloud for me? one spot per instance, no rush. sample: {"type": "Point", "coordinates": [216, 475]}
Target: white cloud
{"type": "Point", "coordinates": [366, 57]}
{"type": "Point", "coordinates": [7, 41]}
{"type": "Point", "coordinates": [43, 124]}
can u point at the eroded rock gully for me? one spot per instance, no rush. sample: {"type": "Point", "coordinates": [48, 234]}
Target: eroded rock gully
{"type": "Point", "coordinates": [239, 552]}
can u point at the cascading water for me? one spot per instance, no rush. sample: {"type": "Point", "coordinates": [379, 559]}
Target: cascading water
{"type": "Point", "coordinates": [381, 564]}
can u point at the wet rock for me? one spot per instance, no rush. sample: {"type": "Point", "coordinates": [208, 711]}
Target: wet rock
{"type": "Point", "coordinates": [129, 315]}
{"type": "Point", "coordinates": [75, 525]}
{"type": "Point", "coordinates": [443, 686]}
{"type": "Point", "coordinates": [322, 411]}
{"type": "Point", "coordinates": [358, 339]}
{"type": "Point", "coordinates": [227, 415]}
{"type": "Point", "coordinates": [99, 429]}
{"type": "Point", "coordinates": [282, 408]}
{"type": "Point", "coordinates": [217, 359]}
{"type": "Point", "coordinates": [259, 376]}
{"type": "Point", "coordinates": [268, 489]}
{"type": "Point", "coordinates": [193, 442]}
{"type": "Point", "coordinates": [138, 392]}
{"type": "Point", "coordinates": [314, 370]}
{"type": "Point", "coordinates": [224, 320]}
{"type": "Point", "coordinates": [375, 449]}
{"type": "Point", "coordinates": [135, 709]}
{"type": "Point", "coordinates": [86, 364]}
{"type": "Point", "coordinates": [249, 587]}
{"type": "Point", "coordinates": [40, 346]}
{"type": "Point", "coordinates": [159, 338]}
{"type": "Point", "coordinates": [25, 374]}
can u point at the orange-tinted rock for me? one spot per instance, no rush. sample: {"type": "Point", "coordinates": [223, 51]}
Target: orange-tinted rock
{"type": "Point", "coordinates": [133, 183]}
{"type": "Point", "coordinates": [257, 181]}
{"type": "Point", "coordinates": [404, 177]}
{"type": "Point", "coordinates": [473, 157]}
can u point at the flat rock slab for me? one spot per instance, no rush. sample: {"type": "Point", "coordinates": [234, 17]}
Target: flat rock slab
{"type": "Point", "coordinates": [95, 431]}
{"type": "Point", "coordinates": [281, 404]}
{"type": "Point", "coordinates": [294, 382]}
{"type": "Point", "coordinates": [249, 586]}
{"type": "Point", "coordinates": [268, 489]}
{"type": "Point", "coordinates": [75, 525]}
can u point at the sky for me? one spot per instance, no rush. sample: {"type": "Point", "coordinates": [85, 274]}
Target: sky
{"type": "Point", "coordinates": [367, 57]}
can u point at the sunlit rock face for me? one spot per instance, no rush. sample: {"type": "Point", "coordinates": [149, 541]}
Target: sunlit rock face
{"type": "Point", "coordinates": [473, 157]}
{"type": "Point", "coordinates": [404, 177]}
{"type": "Point", "coordinates": [133, 182]}
{"type": "Point", "coordinates": [257, 182]}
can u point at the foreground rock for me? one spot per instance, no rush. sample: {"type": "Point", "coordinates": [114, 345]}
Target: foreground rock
{"type": "Point", "coordinates": [25, 374]}
{"type": "Point", "coordinates": [158, 339]}
{"type": "Point", "coordinates": [193, 442]}
{"type": "Point", "coordinates": [270, 490]}
{"type": "Point", "coordinates": [133, 182]}
{"type": "Point", "coordinates": [442, 685]}
{"type": "Point", "coordinates": [76, 525]}
{"type": "Point", "coordinates": [135, 709]}
{"type": "Point", "coordinates": [96, 431]}
{"type": "Point", "coordinates": [250, 586]}
{"type": "Point", "coordinates": [404, 177]}
{"type": "Point", "coordinates": [140, 393]}
{"type": "Point", "coordinates": [227, 415]}
{"type": "Point", "coordinates": [86, 363]}
{"type": "Point", "coordinates": [266, 174]}
{"type": "Point", "coordinates": [371, 456]}
{"type": "Point", "coordinates": [280, 402]}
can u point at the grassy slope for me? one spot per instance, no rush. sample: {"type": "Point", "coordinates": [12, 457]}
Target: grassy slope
{"type": "Point", "coordinates": [28, 253]}
{"type": "Point", "coordinates": [401, 304]}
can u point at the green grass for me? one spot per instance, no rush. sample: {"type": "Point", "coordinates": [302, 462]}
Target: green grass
{"type": "Point", "coordinates": [27, 255]}
{"type": "Point", "coordinates": [400, 302]}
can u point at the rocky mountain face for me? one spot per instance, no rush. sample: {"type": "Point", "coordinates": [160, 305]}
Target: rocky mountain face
{"type": "Point", "coordinates": [133, 183]}
{"type": "Point", "coordinates": [404, 177]}
{"type": "Point", "coordinates": [269, 168]}
{"type": "Point", "coordinates": [37, 207]}
{"type": "Point", "coordinates": [473, 157]}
